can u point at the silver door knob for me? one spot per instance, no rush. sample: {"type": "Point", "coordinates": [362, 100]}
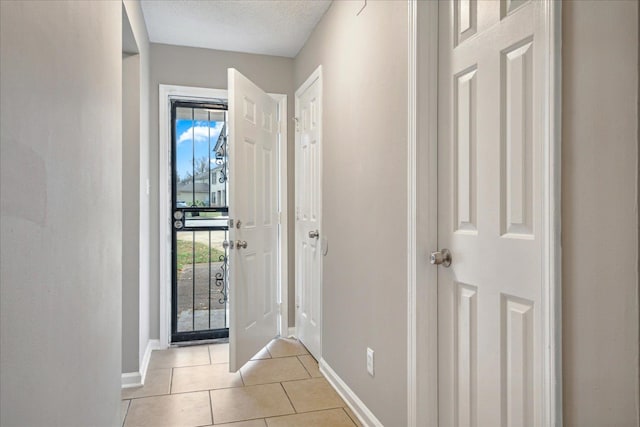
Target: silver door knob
{"type": "Point", "coordinates": [241, 244]}
{"type": "Point", "coordinates": [441, 257]}
{"type": "Point", "coordinates": [314, 234]}
{"type": "Point", "coordinates": [227, 244]}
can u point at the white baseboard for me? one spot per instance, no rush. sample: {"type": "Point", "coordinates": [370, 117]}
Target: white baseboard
{"type": "Point", "coordinates": [131, 379]}
{"type": "Point", "coordinates": [136, 379]}
{"type": "Point", "coordinates": [291, 332]}
{"type": "Point", "coordinates": [365, 416]}
{"type": "Point", "coordinates": [151, 345]}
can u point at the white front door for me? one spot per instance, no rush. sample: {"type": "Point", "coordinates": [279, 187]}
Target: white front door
{"type": "Point", "coordinates": [491, 135]}
{"type": "Point", "coordinates": [308, 210]}
{"type": "Point", "coordinates": [253, 205]}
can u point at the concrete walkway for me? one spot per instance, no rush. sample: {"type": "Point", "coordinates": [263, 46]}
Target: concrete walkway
{"type": "Point", "coordinates": [207, 296]}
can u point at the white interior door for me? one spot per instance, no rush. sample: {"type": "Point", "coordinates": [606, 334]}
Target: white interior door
{"type": "Point", "coordinates": [253, 205]}
{"type": "Point", "coordinates": [491, 134]}
{"type": "Point", "coordinates": [308, 210]}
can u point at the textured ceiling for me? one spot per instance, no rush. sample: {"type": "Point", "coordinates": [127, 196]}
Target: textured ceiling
{"type": "Point", "coordinates": [269, 27]}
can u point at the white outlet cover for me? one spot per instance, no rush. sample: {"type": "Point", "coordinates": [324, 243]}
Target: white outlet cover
{"type": "Point", "coordinates": [370, 361]}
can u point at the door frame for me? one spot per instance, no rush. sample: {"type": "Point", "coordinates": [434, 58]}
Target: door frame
{"type": "Point", "coordinates": [166, 92]}
{"type": "Point", "coordinates": [422, 225]}
{"type": "Point", "coordinates": [315, 75]}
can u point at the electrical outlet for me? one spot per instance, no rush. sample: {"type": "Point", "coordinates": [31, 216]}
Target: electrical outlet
{"type": "Point", "coordinates": [370, 361]}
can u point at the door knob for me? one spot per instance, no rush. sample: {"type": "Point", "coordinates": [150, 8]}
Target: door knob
{"type": "Point", "coordinates": [314, 234]}
{"type": "Point", "coordinates": [241, 244]}
{"type": "Point", "coordinates": [227, 244]}
{"type": "Point", "coordinates": [441, 257]}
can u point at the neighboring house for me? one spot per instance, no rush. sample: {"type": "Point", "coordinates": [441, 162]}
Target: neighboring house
{"type": "Point", "coordinates": [218, 189]}
{"type": "Point", "coordinates": [204, 189]}
{"type": "Point", "coordinates": [193, 193]}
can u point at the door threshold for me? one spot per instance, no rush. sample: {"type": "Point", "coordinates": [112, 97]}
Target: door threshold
{"type": "Point", "coordinates": [199, 342]}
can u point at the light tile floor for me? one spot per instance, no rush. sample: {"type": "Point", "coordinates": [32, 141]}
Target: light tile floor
{"type": "Point", "coordinates": [191, 386]}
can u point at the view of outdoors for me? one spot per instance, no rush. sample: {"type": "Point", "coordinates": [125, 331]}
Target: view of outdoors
{"type": "Point", "coordinates": [200, 168]}
{"type": "Point", "coordinates": [200, 158]}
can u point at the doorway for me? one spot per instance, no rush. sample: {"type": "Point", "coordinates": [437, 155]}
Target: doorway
{"type": "Point", "coordinates": [200, 259]}
{"type": "Point", "coordinates": [214, 214]}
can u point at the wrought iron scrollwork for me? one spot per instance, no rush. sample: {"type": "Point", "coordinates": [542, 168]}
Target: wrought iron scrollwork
{"type": "Point", "coordinates": [221, 278]}
{"type": "Point", "coordinates": [221, 159]}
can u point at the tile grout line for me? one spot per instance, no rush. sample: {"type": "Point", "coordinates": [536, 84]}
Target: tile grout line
{"type": "Point", "coordinates": [305, 368]}
{"type": "Point", "coordinates": [312, 412]}
{"type": "Point", "coordinates": [126, 412]}
{"type": "Point", "coordinates": [171, 381]}
{"type": "Point", "coordinates": [349, 416]}
{"type": "Point", "coordinates": [289, 398]}
{"type": "Point", "coordinates": [213, 421]}
{"type": "Point", "coordinates": [241, 377]}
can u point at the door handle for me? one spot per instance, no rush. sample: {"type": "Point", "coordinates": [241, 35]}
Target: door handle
{"type": "Point", "coordinates": [441, 257]}
{"type": "Point", "coordinates": [314, 234]}
{"type": "Point", "coordinates": [227, 244]}
{"type": "Point", "coordinates": [241, 244]}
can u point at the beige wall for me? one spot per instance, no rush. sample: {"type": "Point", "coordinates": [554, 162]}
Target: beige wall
{"type": "Point", "coordinates": [60, 213]}
{"type": "Point", "coordinates": [186, 66]}
{"type": "Point", "coordinates": [135, 200]}
{"type": "Point", "coordinates": [130, 211]}
{"type": "Point", "coordinates": [600, 213]}
{"type": "Point", "coordinates": [364, 60]}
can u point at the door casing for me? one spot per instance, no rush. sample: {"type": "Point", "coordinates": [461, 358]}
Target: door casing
{"type": "Point", "coordinates": [422, 225]}
{"type": "Point", "coordinates": [166, 92]}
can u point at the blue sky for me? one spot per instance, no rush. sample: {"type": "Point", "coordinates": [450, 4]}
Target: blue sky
{"type": "Point", "coordinates": [187, 131]}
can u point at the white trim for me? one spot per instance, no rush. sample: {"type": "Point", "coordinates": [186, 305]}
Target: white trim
{"type": "Point", "coordinates": [196, 93]}
{"type": "Point", "coordinates": [144, 365]}
{"type": "Point", "coordinates": [291, 332]}
{"type": "Point", "coordinates": [164, 188]}
{"type": "Point", "coordinates": [552, 249]}
{"type": "Point", "coordinates": [131, 380]}
{"type": "Point", "coordinates": [316, 75]}
{"type": "Point", "coordinates": [136, 379]}
{"type": "Point", "coordinates": [412, 380]}
{"type": "Point", "coordinates": [364, 414]}
{"type": "Point", "coordinates": [423, 193]}
{"type": "Point", "coordinates": [283, 240]}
